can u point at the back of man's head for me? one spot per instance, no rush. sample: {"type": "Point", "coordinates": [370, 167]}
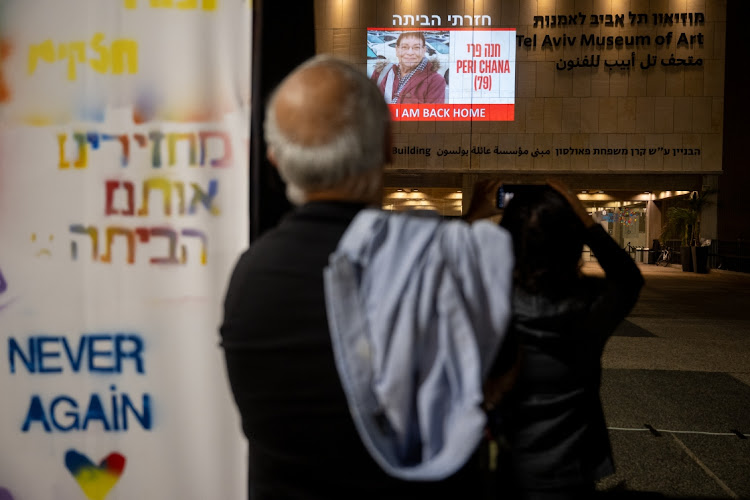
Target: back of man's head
{"type": "Point", "coordinates": [327, 129]}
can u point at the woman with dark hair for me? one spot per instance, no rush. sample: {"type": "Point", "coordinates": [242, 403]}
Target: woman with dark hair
{"type": "Point", "coordinates": [553, 417]}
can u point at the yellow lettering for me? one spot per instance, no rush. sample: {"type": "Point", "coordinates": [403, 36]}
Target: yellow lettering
{"type": "Point", "coordinates": [102, 64]}
{"type": "Point", "coordinates": [44, 51]}
{"type": "Point", "coordinates": [124, 48]}
{"type": "Point", "coordinates": [70, 51]}
{"type": "Point", "coordinates": [61, 138]}
{"type": "Point", "coordinates": [121, 57]}
{"type": "Point", "coordinates": [181, 4]}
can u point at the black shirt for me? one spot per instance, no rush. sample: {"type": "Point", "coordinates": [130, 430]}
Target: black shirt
{"type": "Point", "coordinates": [302, 440]}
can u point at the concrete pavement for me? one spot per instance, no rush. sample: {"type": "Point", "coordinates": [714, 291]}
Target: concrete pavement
{"type": "Point", "coordinates": [676, 388]}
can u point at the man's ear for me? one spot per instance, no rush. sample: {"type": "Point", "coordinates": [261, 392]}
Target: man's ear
{"type": "Point", "coordinates": [271, 157]}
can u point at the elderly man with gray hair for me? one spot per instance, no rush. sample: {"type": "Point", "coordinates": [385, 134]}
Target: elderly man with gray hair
{"type": "Point", "coordinates": [362, 346]}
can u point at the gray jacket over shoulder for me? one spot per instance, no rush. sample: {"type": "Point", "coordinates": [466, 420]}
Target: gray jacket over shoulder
{"type": "Point", "coordinates": [418, 308]}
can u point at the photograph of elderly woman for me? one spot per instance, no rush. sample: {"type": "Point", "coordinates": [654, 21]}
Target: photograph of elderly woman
{"type": "Point", "coordinates": [409, 67]}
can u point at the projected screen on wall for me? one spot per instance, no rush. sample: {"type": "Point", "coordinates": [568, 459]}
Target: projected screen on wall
{"type": "Point", "coordinates": [444, 74]}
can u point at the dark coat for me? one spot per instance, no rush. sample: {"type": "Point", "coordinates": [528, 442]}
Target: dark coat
{"type": "Point", "coordinates": [555, 423]}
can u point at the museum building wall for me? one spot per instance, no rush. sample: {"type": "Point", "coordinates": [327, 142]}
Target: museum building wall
{"type": "Point", "coordinates": [643, 113]}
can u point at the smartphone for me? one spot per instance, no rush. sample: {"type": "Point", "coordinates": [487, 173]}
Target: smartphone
{"type": "Point", "coordinates": [506, 192]}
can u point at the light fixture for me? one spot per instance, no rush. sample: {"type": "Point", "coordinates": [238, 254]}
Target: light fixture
{"type": "Point", "coordinates": [601, 192]}
{"type": "Point", "coordinates": [584, 191]}
{"type": "Point", "coordinates": [399, 190]}
{"type": "Point", "coordinates": [414, 190]}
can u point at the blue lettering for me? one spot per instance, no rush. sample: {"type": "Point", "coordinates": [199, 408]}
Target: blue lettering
{"type": "Point", "coordinates": [95, 412]}
{"type": "Point", "coordinates": [115, 423]}
{"type": "Point", "coordinates": [103, 353]}
{"type": "Point", "coordinates": [135, 354]}
{"type": "Point", "coordinates": [15, 350]}
{"type": "Point", "coordinates": [35, 414]}
{"type": "Point", "coordinates": [94, 354]}
{"type": "Point", "coordinates": [75, 362]}
{"type": "Point", "coordinates": [70, 414]}
{"type": "Point", "coordinates": [42, 354]}
{"type": "Point", "coordinates": [144, 419]}
{"type": "Point", "coordinates": [65, 415]}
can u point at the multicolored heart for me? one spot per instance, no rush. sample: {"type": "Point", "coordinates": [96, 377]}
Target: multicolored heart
{"type": "Point", "coordinates": [95, 480]}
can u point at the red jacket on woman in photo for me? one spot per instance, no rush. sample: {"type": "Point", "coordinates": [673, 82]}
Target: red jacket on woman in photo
{"type": "Point", "coordinates": [425, 86]}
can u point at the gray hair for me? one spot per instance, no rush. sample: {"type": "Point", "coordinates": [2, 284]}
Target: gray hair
{"type": "Point", "coordinates": [354, 156]}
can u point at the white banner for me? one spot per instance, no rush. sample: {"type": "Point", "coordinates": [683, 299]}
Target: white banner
{"type": "Point", "coordinates": [124, 132]}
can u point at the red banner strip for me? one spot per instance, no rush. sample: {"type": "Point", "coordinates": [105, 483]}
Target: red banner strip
{"type": "Point", "coordinates": [452, 112]}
